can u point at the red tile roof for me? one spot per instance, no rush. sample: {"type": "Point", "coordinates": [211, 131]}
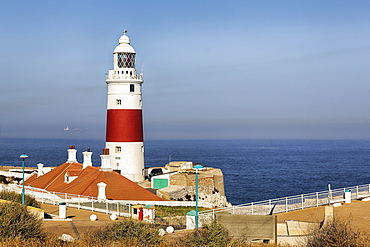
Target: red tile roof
{"type": "Point", "coordinates": [73, 172]}
{"type": "Point", "coordinates": [118, 186]}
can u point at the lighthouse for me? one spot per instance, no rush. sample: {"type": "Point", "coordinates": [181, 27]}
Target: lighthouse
{"type": "Point", "coordinates": [124, 128]}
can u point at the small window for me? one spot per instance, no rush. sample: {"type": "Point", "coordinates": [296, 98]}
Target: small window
{"type": "Point", "coordinates": [118, 149]}
{"type": "Point", "coordinates": [118, 102]}
{"type": "Point", "coordinates": [132, 88]}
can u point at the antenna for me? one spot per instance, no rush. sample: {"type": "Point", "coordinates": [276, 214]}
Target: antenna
{"type": "Point", "coordinates": [142, 69]}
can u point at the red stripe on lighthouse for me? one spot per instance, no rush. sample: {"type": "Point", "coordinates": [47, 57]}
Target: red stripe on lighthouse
{"type": "Point", "coordinates": [124, 125]}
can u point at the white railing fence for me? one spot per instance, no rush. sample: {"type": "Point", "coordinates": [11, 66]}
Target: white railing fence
{"type": "Point", "coordinates": [291, 203]}
{"type": "Point", "coordinates": [120, 208]}
{"type": "Point", "coordinates": [274, 206]}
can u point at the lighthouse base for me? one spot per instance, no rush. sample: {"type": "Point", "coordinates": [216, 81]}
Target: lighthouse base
{"type": "Point", "coordinates": [128, 158]}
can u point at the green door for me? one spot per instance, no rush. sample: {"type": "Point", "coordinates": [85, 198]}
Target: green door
{"type": "Point", "coordinates": [159, 183]}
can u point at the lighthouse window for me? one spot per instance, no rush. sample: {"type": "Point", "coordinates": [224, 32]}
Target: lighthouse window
{"type": "Point", "coordinates": [126, 60]}
{"type": "Point", "coordinates": [118, 149]}
{"type": "Point", "coordinates": [132, 88]}
{"type": "Point", "coordinates": [118, 102]}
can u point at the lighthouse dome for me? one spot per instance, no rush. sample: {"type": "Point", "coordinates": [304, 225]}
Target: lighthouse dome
{"type": "Point", "coordinates": [124, 45]}
{"type": "Point", "coordinates": [124, 39]}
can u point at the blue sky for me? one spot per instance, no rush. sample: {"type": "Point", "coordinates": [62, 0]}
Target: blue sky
{"type": "Point", "coordinates": [212, 69]}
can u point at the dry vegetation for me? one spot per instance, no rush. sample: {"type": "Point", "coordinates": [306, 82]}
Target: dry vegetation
{"type": "Point", "coordinates": [337, 234]}
{"type": "Point", "coordinates": [133, 233]}
{"type": "Point", "coordinates": [16, 197]}
{"type": "Point", "coordinates": [20, 228]}
{"type": "Point", "coordinates": [17, 222]}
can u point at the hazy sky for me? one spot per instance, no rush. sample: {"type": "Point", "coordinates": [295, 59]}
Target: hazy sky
{"type": "Point", "coordinates": [212, 69]}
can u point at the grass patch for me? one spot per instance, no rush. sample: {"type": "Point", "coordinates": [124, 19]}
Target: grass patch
{"type": "Point", "coordinates": [168, 211]}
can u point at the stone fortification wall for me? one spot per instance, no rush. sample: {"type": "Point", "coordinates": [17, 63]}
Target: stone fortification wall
{"type": "Point", "coordinates": [182, 184]}
{"type": "Point", "coordinates": [187, 193]}
{"type": "Point", "coordinates": [183, 191]}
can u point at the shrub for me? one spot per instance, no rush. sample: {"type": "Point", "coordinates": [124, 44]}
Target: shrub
{"type": "Point", "coordinates": [335, 234]}
{"type": "Point", "coordinates": [3, 179]}
{"type": "Point", "coordinates": [16, 221]}
{"type": "Point", "coordinates": [212, 234]}
{"type": "Point", "coordinates": [133, 232]}
{"type": "Point", "coordinates": [15, 197]}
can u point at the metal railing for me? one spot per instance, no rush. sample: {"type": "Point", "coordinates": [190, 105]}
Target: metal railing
{"type": "Point", "coordinates": [118, 207]}
{"type": "Point", "coordinates": [291, 203]}
{"type": "Point", "coordinates": [274, 206]}
{"type": "Point", "coordinates": [111, 76]}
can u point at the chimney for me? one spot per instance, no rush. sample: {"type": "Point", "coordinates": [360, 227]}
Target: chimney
{"type": "Point", "coordinates": [101, 191]}
{"type": "Point", "coordinates": [87, 158]}
{"type": "Point", "coordinates": [72, 154]}
{"type": "Point", "coordinates": [105, 161]}
{"type": "Point", "coordinates": [40, 171]}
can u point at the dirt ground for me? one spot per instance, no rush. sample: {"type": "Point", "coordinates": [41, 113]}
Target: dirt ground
{"type": "Point", "coordinates": [7, 168]}
{"type": "Point", "coordinates": [357, 213]}
{"type": "Point", "coordinates": [77, 224]}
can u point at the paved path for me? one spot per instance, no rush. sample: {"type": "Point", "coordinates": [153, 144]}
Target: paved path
{"type": "Point", "coordinates": [76, 227]}
{"type": "Point", "coordinates": [357, 213]}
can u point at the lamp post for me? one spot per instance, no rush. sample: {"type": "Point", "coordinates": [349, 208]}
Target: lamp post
{"type": "Point", "coordinates": [197, 168]}
{"type": "Point", "coordinates": [23, 156]}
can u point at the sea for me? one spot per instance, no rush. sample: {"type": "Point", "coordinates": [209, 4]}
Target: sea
{"type": "Point", "coordinates": [254, 170]}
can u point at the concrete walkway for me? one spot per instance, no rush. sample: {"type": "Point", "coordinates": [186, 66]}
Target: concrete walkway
{"type": "Point", "coordinates": [357, 213]}
{"type": "Point", "coordinates": [77, 224]}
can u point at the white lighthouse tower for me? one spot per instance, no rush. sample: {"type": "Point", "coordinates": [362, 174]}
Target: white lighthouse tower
{"type": "Point", "coordinates": [124, 133]}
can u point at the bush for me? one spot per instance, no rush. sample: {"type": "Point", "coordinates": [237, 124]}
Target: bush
{"type": "Point", "coordinates": [16, 221]}
{"type": "Point", "coordinates": [3, 179]}
{"type": "Point", "coordinates": [133, 232]}
{"type": "Point", "coordinates": [212, 234]}
{"type": "Point", "coordinates": [15, 197]}
{"type": "Point", "coordinates": [335, 234]}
